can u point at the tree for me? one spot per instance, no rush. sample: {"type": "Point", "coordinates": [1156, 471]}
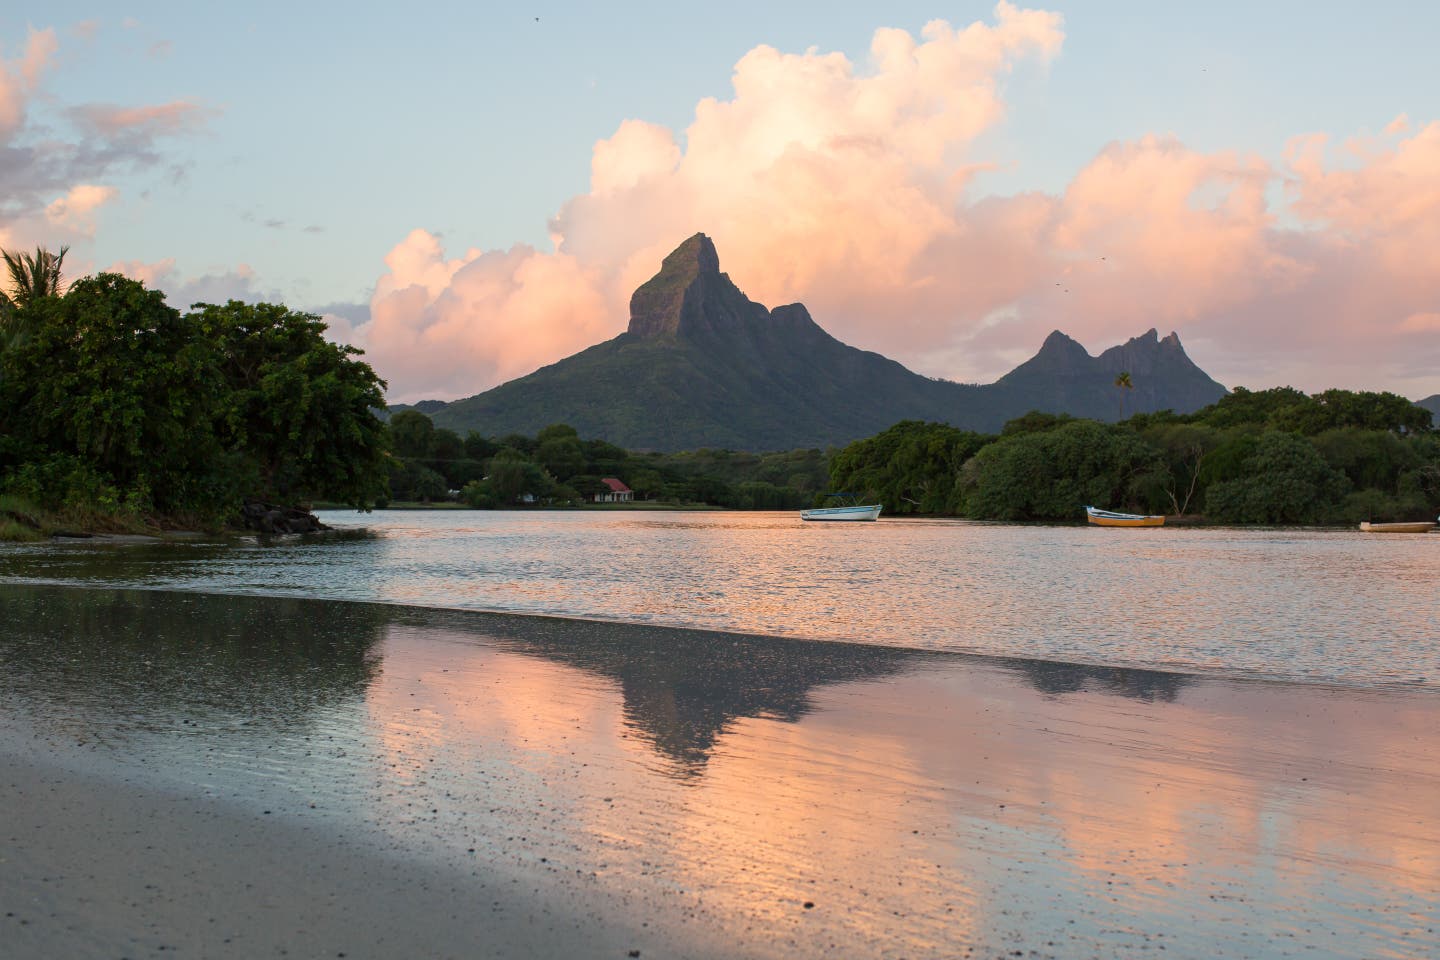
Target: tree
{"type": "Point", "coordinates": [33, 277]}
{"type": "Point", "coordinates": [1035, 421]}
{"type": "Point", "coordinates": [112, 375]}
{"type": "Point", "coordinates": [562, 455]}
{"type": "Point", "coordinates": [1123, 384]}
{"type": "Point", "coordinates": [478, 447]}
{"type": "Point", "coordinates": [910, 467]}
{"type": "Point", "coordinates": [1053, 475]}
{"type": "Point", "coordinates": [1185, 447]}
{"type": "Point", "coordinates": [512, 476]}
{"type": "Point", "coordinates": [297, 406]}
{"type": "Point", "coordinates": [411, 434]}
{"type": "Point", "coordinates": [1286, 481]}
{"type": "Point", "coordinates": [1255, 407]}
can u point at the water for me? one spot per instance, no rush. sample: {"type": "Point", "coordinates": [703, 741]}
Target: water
{"type": "Point", "coordinates": [707, 785]}
{"type": "Point", "coordinates": [1330, 606]}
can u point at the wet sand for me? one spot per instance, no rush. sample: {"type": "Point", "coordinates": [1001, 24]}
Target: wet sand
{"type": "Point", "coordinates": [228, 776]}
{"type": "Point", "coordinates": [99, 868]}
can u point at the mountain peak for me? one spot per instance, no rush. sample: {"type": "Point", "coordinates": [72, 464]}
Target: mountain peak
{"type": "Point", "coordinates": [1059, 351]}
{"type": "Point", "coordinates": [656, 305]}
{"type": "Point", "coordinates": [689, 295]}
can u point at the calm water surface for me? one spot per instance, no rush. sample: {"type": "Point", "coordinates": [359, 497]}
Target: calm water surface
{"type": "Point", "coordinates": [798, 799]}
{"type": "Point", "coordinates": [1316, 605]}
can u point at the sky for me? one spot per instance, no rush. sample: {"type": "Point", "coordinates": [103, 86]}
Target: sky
{"type": "Point", "coordinates": [470, 191]}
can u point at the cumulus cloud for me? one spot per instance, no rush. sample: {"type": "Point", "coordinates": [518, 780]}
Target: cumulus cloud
{"type": "Point", "coordinates": [438, 326]}
{"type": "Point", "coordinates": [853, 188]}
{"type": "Point", "coordinates": [813, 168]}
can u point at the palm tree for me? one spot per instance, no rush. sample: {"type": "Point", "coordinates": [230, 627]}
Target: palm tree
{"type": "Point", "coordinates": [33, 276]}
{"type": "Point", "coordinates": [1122, 383]}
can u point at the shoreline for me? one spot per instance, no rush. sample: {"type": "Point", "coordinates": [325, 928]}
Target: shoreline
{"type": "Point", "coordinates": [328, 776]}
{"type": "Point", "coordinates": [497, 617]}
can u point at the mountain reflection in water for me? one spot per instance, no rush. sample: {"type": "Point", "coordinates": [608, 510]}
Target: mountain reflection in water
{"type": "Point", "coordinates": [142, 657]}
{"type": "Point", "coordinates": [925, 802]}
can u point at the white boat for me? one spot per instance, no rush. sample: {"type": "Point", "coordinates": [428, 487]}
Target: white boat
{"type": "Point", "coordinates": [1109, 518]}
{"type": "Point", "coordinates": [867, 512]}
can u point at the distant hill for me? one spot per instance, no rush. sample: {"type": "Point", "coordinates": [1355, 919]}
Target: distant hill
{"type": "Point", "coordinates": [701, 365]}
{"type": "Point", "coordinates": [1431, 403]}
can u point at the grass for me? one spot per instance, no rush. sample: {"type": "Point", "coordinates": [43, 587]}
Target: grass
{"type": "Point", "coordinates": [22, 521]}
{"type": "Point", "coordinates": [13, 531]}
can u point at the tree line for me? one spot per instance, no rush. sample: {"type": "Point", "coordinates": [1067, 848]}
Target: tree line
{"type": "Point", "coordinates": [1263, 456]}
{"type": "Point", "coordinates": [557, 467]}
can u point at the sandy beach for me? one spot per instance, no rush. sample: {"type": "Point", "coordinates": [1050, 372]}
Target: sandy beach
{"type": "Point", "coordinates": [230, 777]}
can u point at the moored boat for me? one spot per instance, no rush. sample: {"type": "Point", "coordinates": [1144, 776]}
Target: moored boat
{"type": "Point", "coordinates": [1423, 526]}
{"type": "Point", "coordinates": [1109, 518]}
{"type": "Point", "coordinates": [864, 512]}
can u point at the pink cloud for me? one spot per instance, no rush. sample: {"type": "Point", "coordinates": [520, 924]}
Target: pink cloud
{"type": "Point", "coordinates": [851, 188]}
{"type": "Point", "coordinates": [75, 210]}
{"type": "Point", "coordinates": [19, 78]}
{"type": "Point", "coordinates": [437, 325]}
{"type": "Point", "coordinates": [108, 120]}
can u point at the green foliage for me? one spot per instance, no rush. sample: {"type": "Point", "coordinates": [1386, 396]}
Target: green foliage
{"type": "Point", "coordinates": [296, 405]}
{"type": "Point", "coordinates": [1035, 422]}
{"type": "Point", "coordinates": [1254, 407]}
{"type": "Point", "coordinates": [113, 400]}
{"type": "Point", "coordinates": [512, 477]}
{"type": "Point", "coordinates": [1184, 449]}
{"type": "Point", "coordinates": [1287, 409]}
{"type": "Point", "coordinates": [759, 495]}
{"type": "Point", "coordinates": [478, 447]}
{"type": "Point", "coordinates": [111, 375]}
{"type": "Point", "coordinates": [556, 431]}
{"type": "Point", "coordinates": [1286, 481]}
{"type": "Point", "coordinates": [910, 468]}
{"type": "Point", "coordinates": [562, 456]}
{"type": "Point", "coordinates": [1339, 455]}
{"type": "Point", "coordinates": [1055, 474]}
{"type": "Point", "coordinates": [479, 494]}
{"type": "Point", "coordinates": [411, 433]}
{"type": "Point", "coordinates": [1369, 458]}
{"type": "Point", "coordinates": [411, 480]}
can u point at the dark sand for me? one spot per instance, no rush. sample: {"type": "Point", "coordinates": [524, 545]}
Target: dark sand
{"type": "Point", "coordinates": [99, 868]}
{"type": "Point", "coordinates": [236, 777]}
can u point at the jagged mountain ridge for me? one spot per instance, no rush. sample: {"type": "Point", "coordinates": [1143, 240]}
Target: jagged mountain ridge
{"type": "Point", "coordinates": [702, 365]}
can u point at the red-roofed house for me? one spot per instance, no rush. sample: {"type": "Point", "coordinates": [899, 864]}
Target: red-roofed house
{"type": "Point", "coordinates": [617, 492]}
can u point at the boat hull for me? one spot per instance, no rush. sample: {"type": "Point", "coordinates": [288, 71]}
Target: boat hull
{"type": "Point", "coordinates": [1423, 527]}
{"type": "Point", "coordinates": [870, 512]}
{"type": "Point", "coordinates": [1107, 518]}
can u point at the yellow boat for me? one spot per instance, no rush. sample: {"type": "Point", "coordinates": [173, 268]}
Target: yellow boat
{"type": "Point", "coordinates": [1422, 527]}
{"type": "Point", "coordinates": [1108, 518]}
